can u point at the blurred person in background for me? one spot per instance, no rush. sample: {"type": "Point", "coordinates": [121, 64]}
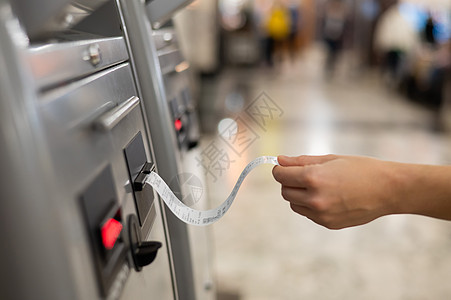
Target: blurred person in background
{"type": "Point", "coordinates": [334, 30]}
{"type": "Point", "coordinates": [429, 64]}
{"type": "Point", "coordinates": [395, 39]}
{"type": "Point", "coordinates": [429, 28]}
{"type": "Point", "coordinates": [294, 7]}
{"type": "Point", "coordinates": [339, 191]}
{"type": "Point", "coordinates": [278, 28]}
{"type": "Point", "coordinates": [262, 9]}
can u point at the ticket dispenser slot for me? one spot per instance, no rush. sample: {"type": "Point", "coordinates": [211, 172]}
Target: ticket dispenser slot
{"type": "Point", "coordinates": [143, 252]}
{"type": "Point", "coordinates": [104, 222]}
{"type": "Point", "coordinates": [138, 167]}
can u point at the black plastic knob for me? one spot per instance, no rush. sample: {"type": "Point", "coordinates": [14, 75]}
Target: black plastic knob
{"type": "Point", "coordinates": [143, 252]}
{"type": "Point", "coordinates": [146, 253]}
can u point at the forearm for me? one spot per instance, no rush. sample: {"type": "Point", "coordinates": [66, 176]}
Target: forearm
{"type": "Point", "coordinates": [342, 191]}
{"type": "Point", "coordinates": [422, 189]}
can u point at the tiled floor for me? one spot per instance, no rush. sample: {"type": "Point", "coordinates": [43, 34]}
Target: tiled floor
{"type": "Point", "coordinates": [264, 251]}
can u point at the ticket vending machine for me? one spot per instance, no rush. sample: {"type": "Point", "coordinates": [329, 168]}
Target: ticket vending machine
{"type": "Point", "coordinates": [73, 141]}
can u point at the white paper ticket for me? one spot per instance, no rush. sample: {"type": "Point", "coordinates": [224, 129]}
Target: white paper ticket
{"type": "Point", "coordinates": [202, 217]}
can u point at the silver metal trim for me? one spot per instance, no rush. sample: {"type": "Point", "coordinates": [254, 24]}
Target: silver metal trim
{"type": "Point", "coordinates": [169, 59]}
{"type": "Point", "coordinates": [111, 118]}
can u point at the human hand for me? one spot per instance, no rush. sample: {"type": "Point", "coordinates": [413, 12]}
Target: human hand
{"type": "Point", "coordinates": [336, 191]}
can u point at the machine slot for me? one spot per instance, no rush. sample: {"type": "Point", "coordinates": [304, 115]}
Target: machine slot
{"type": "Point", "coordinates": [137, 163]}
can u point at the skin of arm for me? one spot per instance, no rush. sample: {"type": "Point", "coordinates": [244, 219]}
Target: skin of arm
{"type": "Point", "coordinates": [342, 191]}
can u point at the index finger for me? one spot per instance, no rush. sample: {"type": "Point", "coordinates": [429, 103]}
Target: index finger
{"type": "Point", "coordinates": [290, 176]}
{"type": "Point", "coordinates": [304, 160]}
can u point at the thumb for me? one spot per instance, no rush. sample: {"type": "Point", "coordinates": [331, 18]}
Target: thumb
{"type": "Point", "coordinates": [304, 160]}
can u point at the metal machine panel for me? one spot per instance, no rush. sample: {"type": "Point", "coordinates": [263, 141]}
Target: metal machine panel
{"type": "Point", "coordinates": [57, 63]}
{"type": "Point", "coordinates": [145, 59]}
{"type": "Point", "coordinates": [169, 60]}
{"type": "Point", "coordinates": [24, 276]}
{"type": "Point", "coordinates": [89, 124]}
{"type": "Point", "coordinates": [160, 11]}
{"type": "Point", "coordinates": [162, 85]}
{"type": "Point", "coordinates": [41, 18]}
{"type": "Point", "coordinates": [72, 111]}
{"type": "Point", "coordinates": [164, 38]}
{"type": "Point", "coordinates": [65, 176]}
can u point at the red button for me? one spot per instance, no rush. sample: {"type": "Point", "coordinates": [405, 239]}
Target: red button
{"type": "Point", "coordinates": [110, 232]}
{"type": "Point", "coordinates": [178, 124]}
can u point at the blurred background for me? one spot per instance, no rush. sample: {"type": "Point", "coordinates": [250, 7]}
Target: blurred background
{"type": "Point", "coordinates": [366, 77]}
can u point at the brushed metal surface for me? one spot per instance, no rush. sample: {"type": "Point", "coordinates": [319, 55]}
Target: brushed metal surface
{"type": "Point", "coordinates": [159, 11]}
{"type": "Point", "coordinates": [57, 63]}
{"type": "Point", "coordinates": [29, 200]}
{"type": "Point", "coordinates": [45, 17]}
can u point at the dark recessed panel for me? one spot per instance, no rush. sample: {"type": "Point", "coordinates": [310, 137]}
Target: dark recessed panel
{"type": "Point", "coordinates": [135, 155]}
{"type": "Point", "coordinates": [99, 202]}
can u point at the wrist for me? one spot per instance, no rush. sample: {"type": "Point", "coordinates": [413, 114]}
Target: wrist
{"type": "Point", "coordinates": [401, 183]}
{"type": "Point", "coordinates": [421, 189]}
